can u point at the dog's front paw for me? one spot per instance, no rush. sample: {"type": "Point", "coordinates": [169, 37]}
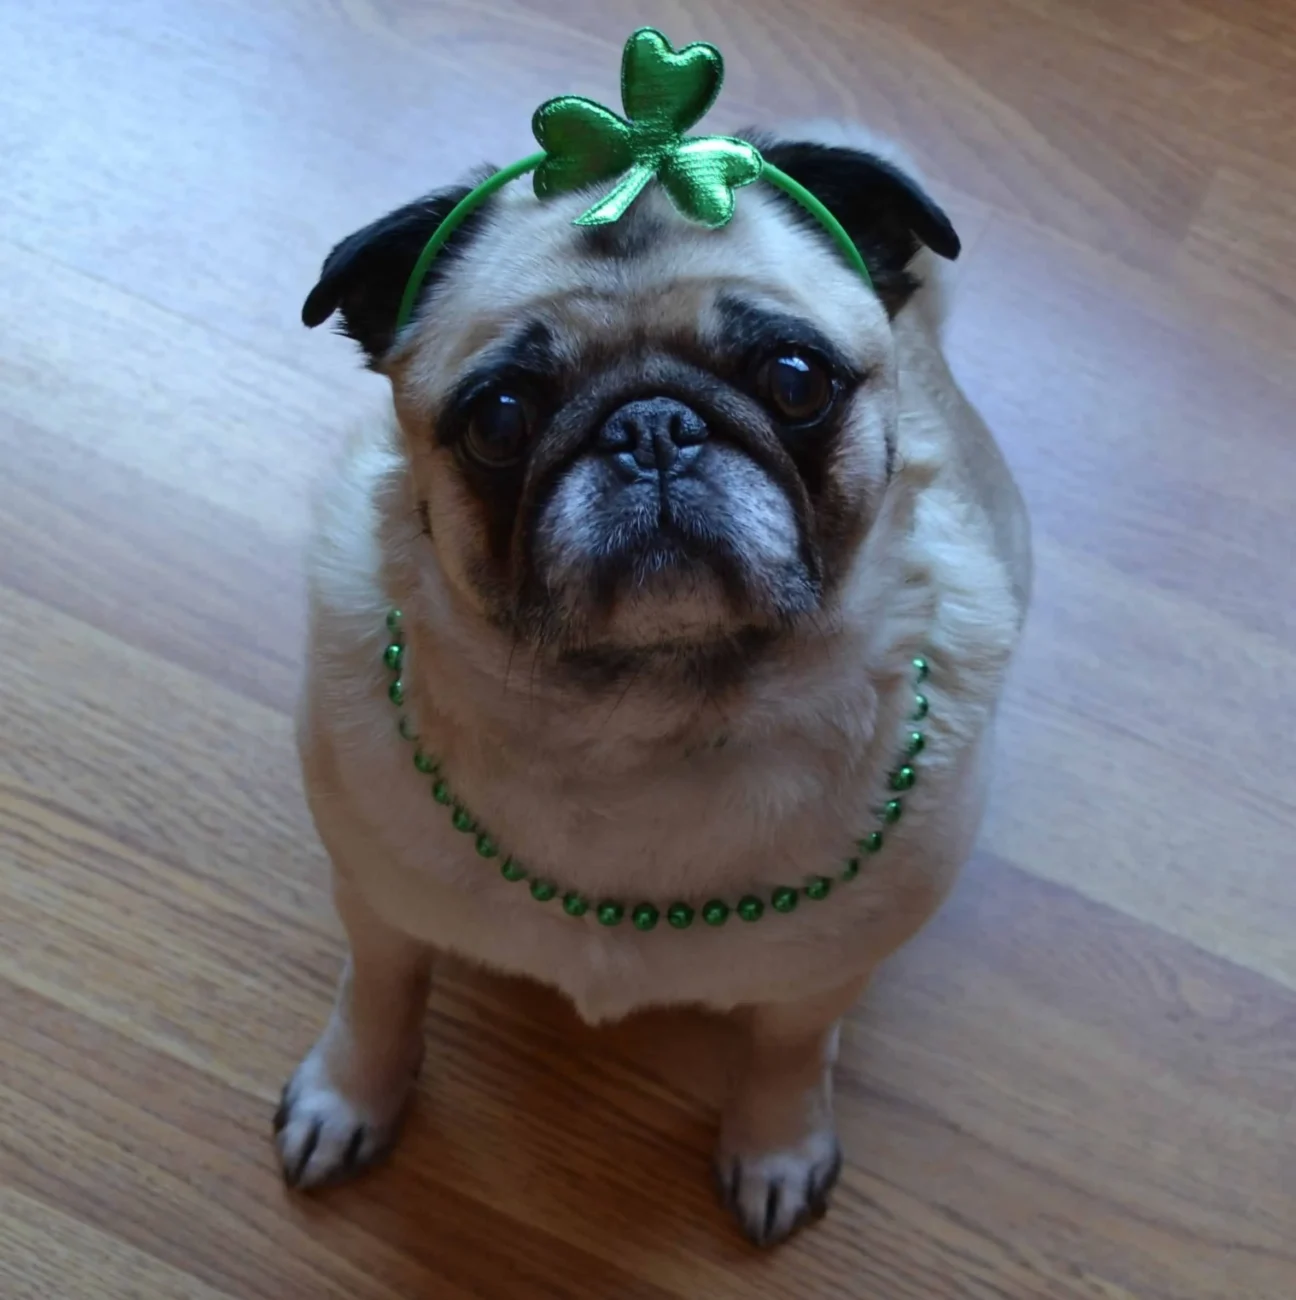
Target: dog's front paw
{"type": "Point", "coordinates": [326, 1133]}
{"type": "Point", "coordinates": [773, 1193]}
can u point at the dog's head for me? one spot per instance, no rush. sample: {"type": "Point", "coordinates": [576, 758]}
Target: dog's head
{"type": "Point", "coordinates": [647, 438]}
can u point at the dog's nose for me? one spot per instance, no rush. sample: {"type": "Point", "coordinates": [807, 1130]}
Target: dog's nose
{"type": "Point", "coordinates": [654, 433]}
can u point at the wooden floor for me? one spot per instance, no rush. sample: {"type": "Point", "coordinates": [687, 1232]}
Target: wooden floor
{"type": "Point", "coordinates": [1078, 1084]}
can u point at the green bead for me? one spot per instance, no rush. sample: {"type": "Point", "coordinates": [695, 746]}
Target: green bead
{"type": "Point", "coordinates": [406, 728]}
{"type": "Point", "coordinates": [396, 692]}
{"type": "Point", "coordinates": [394, 620]}
{"type": "Point", "coordinates": [750, 908]}
{"type": "Point", "coordinates": [392, 657]}
{"type": "Point", "coordinates": [914, 744]}
{"type": "Point", "coordinates": [891, 811]}
{"type": "Point", "coordinates": [921, 705]}
{"type": "Point", "coordinates": [818, 889]}
{"type": "Point", "coordinates": [872, 842]}
{"type": "Point", "coordinates": [486, 846]}
{"type": "Point", "coordinates": [462, 819]}
{"type": "Point", "coordinates": [542, 890]}
{"type": "Point", "coordinates": [610, 913]}
{"type": "Point", "coordinates": [644, 917]}
{"type": "Point", "coordinates": [424, 764]}
{"type": "Point", "coordinates": [441, 793]}
{"type": "Point", "coordinates": [921, 668]}
{"type": "Point", "coordinates": [574, 905]}
{"type": "Point", "coordinates": [851, 869]}
{"type": "Point", "coordinates": [511, 870]}
{"type": "Point", "coordinates": [715, 912]}
{"type": "Point", "coordinates": [679, 915]}
{"type": "Point", "coordinates": [784, 899]}
{"type": "Point", "coordinates": [903, 778]}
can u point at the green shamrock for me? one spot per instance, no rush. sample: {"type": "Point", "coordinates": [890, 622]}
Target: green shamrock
{"type": "Point", "coordinates": [663, 92]}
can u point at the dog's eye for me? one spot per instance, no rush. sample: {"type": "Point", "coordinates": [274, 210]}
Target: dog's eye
{"type": "Point", "coordinates": [797, 387]}
{"type": "Point", "coordinates": [498, 429]}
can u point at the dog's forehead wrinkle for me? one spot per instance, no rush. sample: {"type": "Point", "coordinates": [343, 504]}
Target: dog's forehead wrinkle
{"type": "Point", "coordinates": [538, 264]}
{"type": "Point", "coordinates": [529, 343]}
{"type": "Point", "coordinates": [589, 328]}
{"type": "Point", "coordinates": [522, 256]}
{"type": "Point", "coordinates": [567, 328]}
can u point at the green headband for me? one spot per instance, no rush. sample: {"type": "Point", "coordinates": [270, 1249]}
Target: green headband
{"type": "Point", "coordinates": [582, 143]}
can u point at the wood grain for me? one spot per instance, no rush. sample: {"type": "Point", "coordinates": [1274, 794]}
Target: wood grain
{"type": "Point", "coordinates": [1078, 1084]}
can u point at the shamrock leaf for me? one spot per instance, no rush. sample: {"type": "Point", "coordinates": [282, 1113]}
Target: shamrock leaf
{"type": "Point", "coordinates": [664, 90]}
{"type": "Point", "coordinates": [584, 143]}
{"type": "Point", "coordinates": [664, 93]}
{"type": "Point", "coordinates": [702, 174]}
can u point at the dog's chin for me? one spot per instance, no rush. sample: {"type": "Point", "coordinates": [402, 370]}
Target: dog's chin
{"type": "Point", "coordinates": [665, 613]}
{"type": "Point", "coordinates": [689, 581]}
{"type": "Point", "coordinates": [659, 645]}
{"type": "Point", "coordinates": [663, 599]}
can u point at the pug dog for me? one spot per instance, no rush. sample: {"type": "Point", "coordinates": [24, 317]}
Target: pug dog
{"type": "Point", "coordinates": [655, 639]}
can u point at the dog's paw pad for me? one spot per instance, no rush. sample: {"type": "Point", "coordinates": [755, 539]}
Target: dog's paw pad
{"type": "Point", "coordinates": [773, 1193]}
{"type": "Point", "coordinates": [323, 1138]}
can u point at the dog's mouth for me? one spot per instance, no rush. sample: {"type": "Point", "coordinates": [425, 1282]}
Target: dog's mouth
{"type": "Point", "coordinates": [695, 562]}
{"type": "Point", "coordinates": [665, 546]}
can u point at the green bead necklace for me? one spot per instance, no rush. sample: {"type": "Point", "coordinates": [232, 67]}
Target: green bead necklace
{"type": "Point", "coordinates": [679, 915]}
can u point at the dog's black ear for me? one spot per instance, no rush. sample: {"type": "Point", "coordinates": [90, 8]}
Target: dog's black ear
{"type": "Point", "coordinates": [363, 278]}
{"type": "Point", "coordinates": [887, 214]}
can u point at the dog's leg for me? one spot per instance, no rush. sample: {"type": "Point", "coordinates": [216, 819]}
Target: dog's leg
{"type": "Point", "coordinates": [341, 1109]}
{"type": "Point", "coordinates": [779, 1155]}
